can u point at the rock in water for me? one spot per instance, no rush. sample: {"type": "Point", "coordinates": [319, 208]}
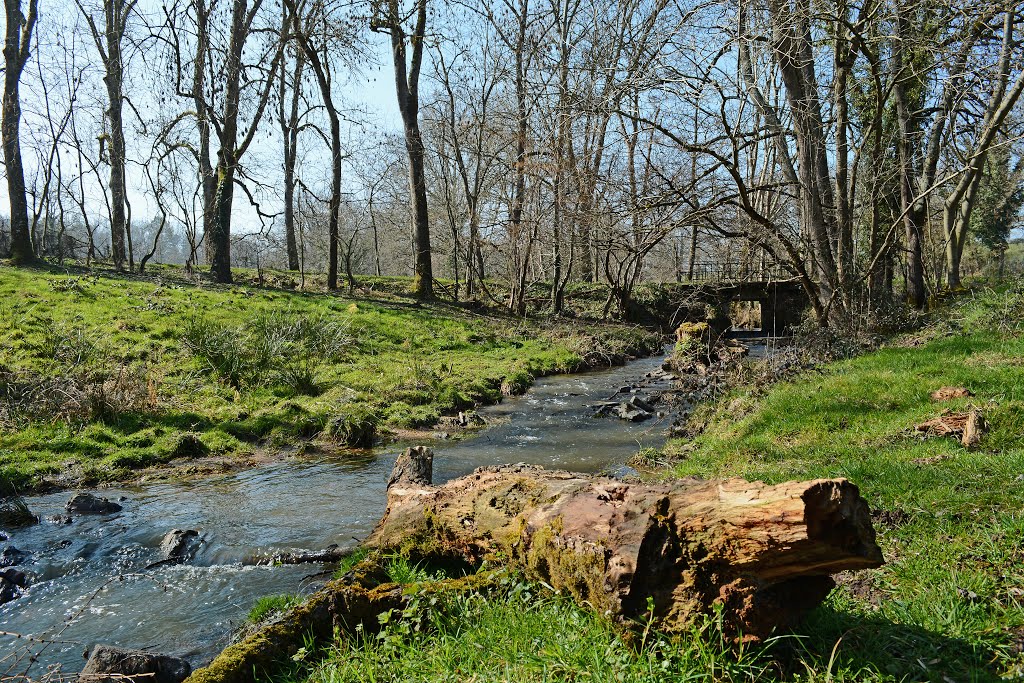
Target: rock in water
{"type": "Point", "coordinates": [180, 545]}
{"type": "Point", "coordinates": [14, 513]}
{"type": "Point", "coordinates": [108, 663]}
{"type": "Point", "coordinates": [8, 591]}
{"type": "Point", "coordinates": [89, 504]}
{"type": "Point", "coordinates": [635, 410]}
{"type": "Point", "coordinates": [12, 585]}
{"type": "Point", "coordinates": [11, 556]}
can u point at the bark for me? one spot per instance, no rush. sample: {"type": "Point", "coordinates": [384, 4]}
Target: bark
{"type": "Point", "coordinates": [116, 14]}
{"type": "Point", "coordinates": [17, 39]}
{"type": "Point", "coordinates": [108, 44]}
{"type": "Point", "coordinates": [793, 55]}
{"type": "Point", "coordinates": [517, 299]}
{"type": "Point", "coordinates": [231, 148]}
{"type": "Point", "coordinates": [762, 552]}
{"type": "Point", "coordinates": [290, 136]}
{"type": "Point", "coordinates": [914, 207]}
{"type": "Point", "coordinates": [323, 79]}
{"type": "Point", "coordinates": [219, 237]}
{"type": "Point", "coordinates": [207, 177]}
{"type": "Point", "coordinates": [407, 78]}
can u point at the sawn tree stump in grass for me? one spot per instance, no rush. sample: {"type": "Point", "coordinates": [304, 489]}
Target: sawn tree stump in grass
{"type": "Point", "coordinates": [763, 552]}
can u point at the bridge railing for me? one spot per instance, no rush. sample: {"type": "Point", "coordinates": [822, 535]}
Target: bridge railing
{"type": "Point", "coordinates": [719, 271]}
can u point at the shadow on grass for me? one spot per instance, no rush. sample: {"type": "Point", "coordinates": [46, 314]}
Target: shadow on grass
{"type": "Point", "coordinates": [835, 641]}
{"type": "Point", "coordinates": [133, 421]}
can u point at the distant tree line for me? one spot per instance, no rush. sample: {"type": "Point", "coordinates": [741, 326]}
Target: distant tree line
{"type": "Point", "coordinates": [860, 147]}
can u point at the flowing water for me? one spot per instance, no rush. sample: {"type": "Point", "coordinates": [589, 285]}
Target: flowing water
{"type": "Point", "coordinates": [91, 584]}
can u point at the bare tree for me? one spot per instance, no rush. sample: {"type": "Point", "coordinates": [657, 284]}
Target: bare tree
{"type": "Point", "coordinates": [108, 40]}
{"type": "Point", "coordinates": [407, 54]}
{"type": "Point", "coordinates": [290, 137]}
{"type": "Point", "coordinates": [960, 202]}
{"type": "Point", "coordinates": [17, 41]}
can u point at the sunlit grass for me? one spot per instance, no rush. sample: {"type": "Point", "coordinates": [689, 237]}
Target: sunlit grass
{"type": "Point", "coordinates": [119, 345]}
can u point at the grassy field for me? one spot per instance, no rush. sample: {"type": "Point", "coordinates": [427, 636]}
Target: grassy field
{"type": "Point", "coordinates": [948, 605]}
{"type": "Point", "coordinates": [101, 374]}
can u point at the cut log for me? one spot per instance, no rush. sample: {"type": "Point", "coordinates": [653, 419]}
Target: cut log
{"type": "Point", "coordinates": [763, 552]}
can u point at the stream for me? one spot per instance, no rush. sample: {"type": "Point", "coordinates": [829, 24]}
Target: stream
{"type": "Point", "coordinates": [91, 585]}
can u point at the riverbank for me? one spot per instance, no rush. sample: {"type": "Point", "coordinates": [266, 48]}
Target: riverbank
{"type": "Point", "coordinates": [947, 606]}
{"type": "Point", "coordinates": [107, 378]}
{"type": "Point", "coordinates": [113, 569]}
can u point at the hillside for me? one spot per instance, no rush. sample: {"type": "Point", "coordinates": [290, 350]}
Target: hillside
{"type": "Point", "coordinates": [102, 375]}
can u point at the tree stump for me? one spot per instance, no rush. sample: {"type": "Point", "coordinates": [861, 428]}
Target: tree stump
{"type": "Point", "coordinates": [671, 551]}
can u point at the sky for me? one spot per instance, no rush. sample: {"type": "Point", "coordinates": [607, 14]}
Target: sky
{"type": "Point", "coordinates": [370, 92]}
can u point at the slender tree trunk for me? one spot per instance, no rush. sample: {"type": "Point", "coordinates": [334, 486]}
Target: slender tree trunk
{"type": "Point", "coordinates": [323, 79]}
{"type": "Point", "coordinates": [791, 49]}
{"type": "Point", "coordinates": [290, 134]}
{"type": "Point", "coordinates": [517, 300]}
{"type": "Point", "coordinates": [115, 12]}
{"type": "Point", "coordinates": [407, 88]}
{"type": "Point", "coordinates": [17, 40]}
{"type": "Point", "coordinates": [959, 203]}
{"type": "Point", "coordinates": [914, 208]}
{"type": "Point", "coordinates": [844, 60]}
{"type": "Point", "coordinates": [207, 175]}
{"type": "Point", "coordinates": [227, 162]}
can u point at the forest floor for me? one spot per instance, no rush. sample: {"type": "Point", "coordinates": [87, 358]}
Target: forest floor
{"type": "Point", "coordinates": [948, 605]}
{"type": "Point", "coordinates": [108, 377]}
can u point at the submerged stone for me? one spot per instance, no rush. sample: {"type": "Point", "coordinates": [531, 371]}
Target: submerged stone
{"type": "Point", "coordinates": [108, 663]}
{"type": "Point", "coordinates": [87, 503]}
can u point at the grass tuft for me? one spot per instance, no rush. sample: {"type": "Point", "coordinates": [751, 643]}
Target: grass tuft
{"type": "Point", "coordinates": [270, 606]}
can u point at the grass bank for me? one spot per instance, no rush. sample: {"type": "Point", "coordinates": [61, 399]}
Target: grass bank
{"type": "Point", "coordinates": [947, 606]}
{"type": "Point", "coordinates": [103, 374]}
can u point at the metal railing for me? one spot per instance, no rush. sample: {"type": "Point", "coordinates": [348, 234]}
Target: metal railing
{"type": "Point", "coordinates": [718, 271]}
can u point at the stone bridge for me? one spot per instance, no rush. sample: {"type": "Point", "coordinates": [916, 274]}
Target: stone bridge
{"type": "Point", "coordinates": [781, 302]}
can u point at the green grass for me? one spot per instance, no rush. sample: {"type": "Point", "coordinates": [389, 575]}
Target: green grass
{"type": "Point", "coordinates": [949, 601]}
{"type": "Point", "coordinates": [103, 374]}
{"type": "Point", "coordinates": [520, 633]}
{"type": "Point", "coordinates": [947, 606]}
{"type": "Point", "coordinates": [271, 605]}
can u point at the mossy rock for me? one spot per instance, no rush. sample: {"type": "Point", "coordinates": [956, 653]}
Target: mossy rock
{"type": "Point", "coordinates": [188, 445]}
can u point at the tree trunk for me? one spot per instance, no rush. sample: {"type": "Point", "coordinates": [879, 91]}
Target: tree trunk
{"type": "Point", "coordinates": [407, 87]}
{"type": "Point", "coordinates": [323, 79]}
{"type": "Point", "coordinates": [231, 147]}
{"type": "Point", "coordinates": [792, 53]}
{"type": "Point", "coordinates": [17, 39]}
{"type": "Point", "coordinates": [207, 178]}
{"type": "Point", "coordinates": [517, 299]}
{"type": "Point", "coordinates": [227, 162]}
{"type": "Point", "coordinates": [959, 204]}
{"type": "Point", "coordinates": [290, 136]}
{"type": "Point", "coordinates": [115, 17]}
{"type": "Point", "coordinates": [762, 552]}
{"type": "Point", "coordinates": [914, 208]}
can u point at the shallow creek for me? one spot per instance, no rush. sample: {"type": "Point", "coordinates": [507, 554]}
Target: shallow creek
{"type": "Point", "coordinates": [91, 584]}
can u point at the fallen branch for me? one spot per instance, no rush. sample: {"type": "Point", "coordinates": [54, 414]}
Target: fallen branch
{"type": "Point", "coordinates": [762, 552]}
